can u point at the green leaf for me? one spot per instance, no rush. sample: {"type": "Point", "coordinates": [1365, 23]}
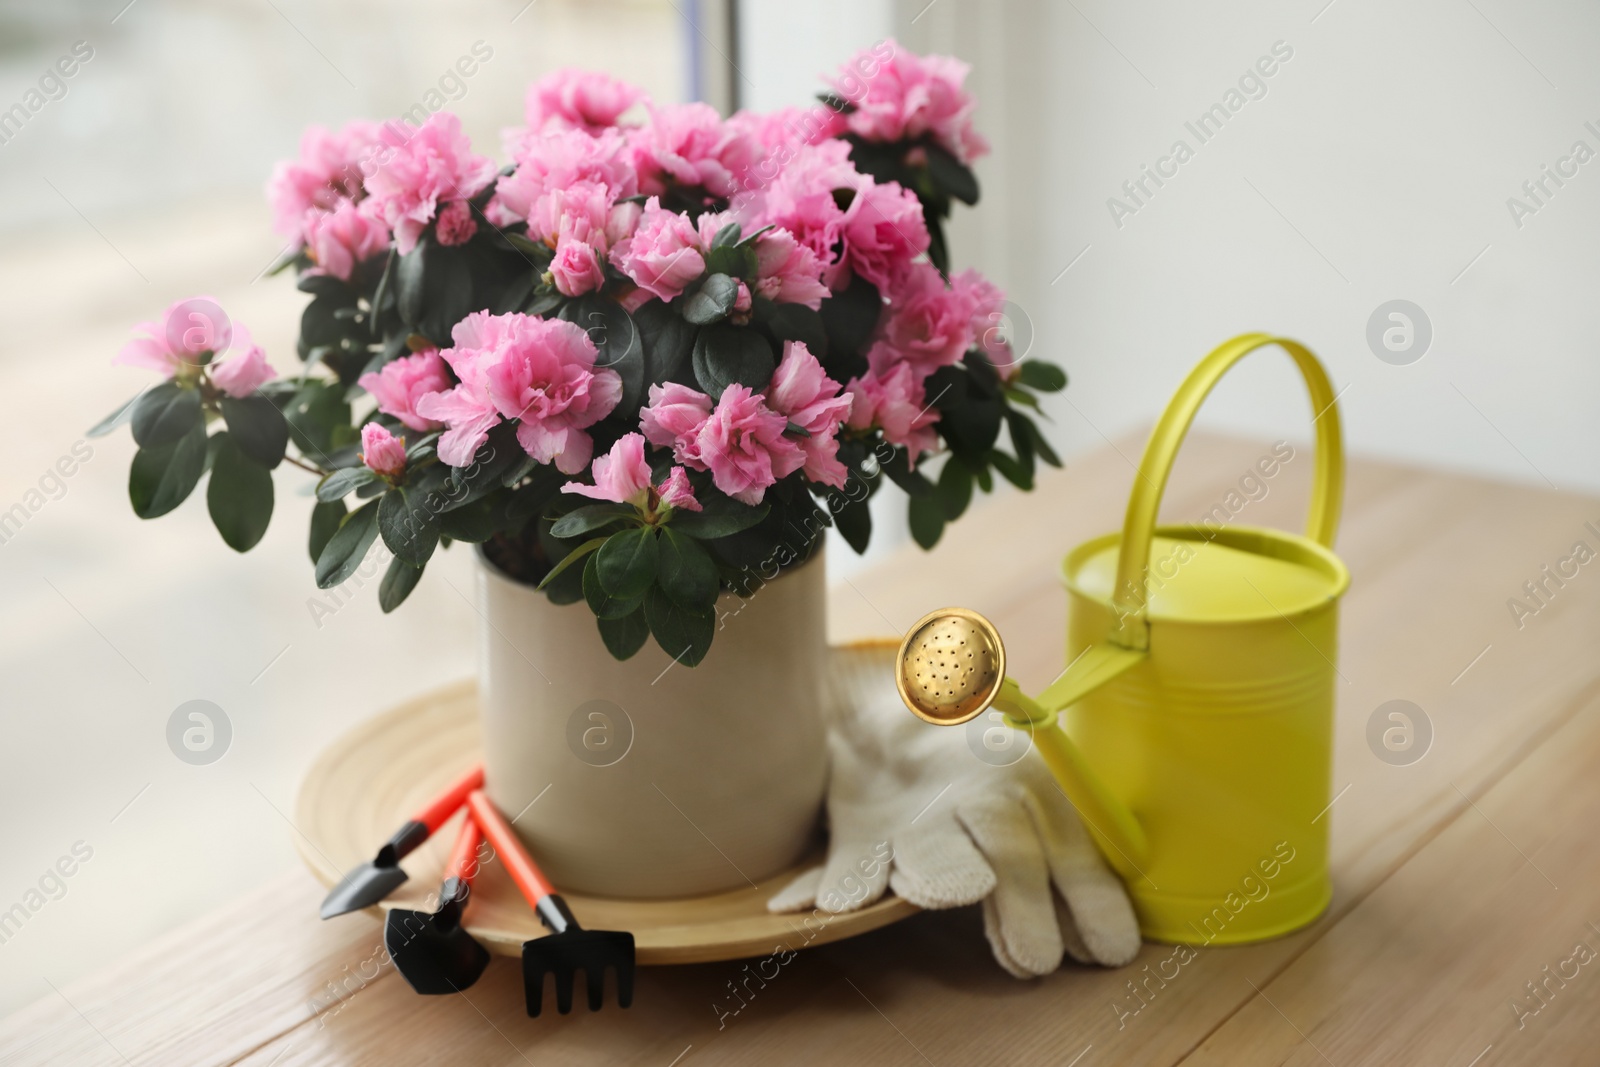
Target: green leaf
{"type": "Point", "coordinates": [854, 523]}
{"type": "Point", "coordinates": [239, 496]}
{"type": "Point", "coordinates": [685, 571]}
{"type": "Point", "coordinates": [1012, 470]}
{"type": "Point", "coordinates": [927, 520]}
{"type": "Point", "coordinates": [516, 292]}
{"type": "Point", "coordinates": [972, 427]}
{"type": "Point", "coordinates": [409, 277]}
{"type": "Point", "coordinates": [315, 415]}
{"type": "Point", "coordinates": [713, 300]}
{"type": "Point", "coordinates": [385, 289]}
{"type": "Point", "coordinates": [725, 355]}
{"type": "Point", "coordinates": [409, 527]}
{"type": "Point", "coordinates": [736, 261]}
{"type": "Point", "coordinates": [849, 317]}
{"type": "Point", "coordinates": [1045, 377]}
{"type": "Point", "coordinates": [398, 581]}
{"type": "Point", "coordinates": [602, 603]}
{"type": "Point", "coordinates": [447, 294]}
{"type": "Point", "coordinates": [720, 516]}
{"type": "Point", "coordinates": [728, 235]}
{"type": "Point", "coordinates": [257, 427]}
{"type": "Point", "coordinates": [473, 523]}
{"type": "Point", "coordinates": [348, 546]}
{"type": "Point", "coordinates": [1039, 444]}
{"type": "Point", "coordinates": [955, 488]}
{"type": "Point", "coordinates": [683, 634]}
{"type": "Point", "coordinates": [591, 517]}
{"type": "Point", "coordinates": [953, 177]}
{"type": "Point", "coordinates": [115, 419]}
{"type": "Point", "coordinates": [668, 342]}
{"type": "Point", "coordinates": [618, 343]}
{"type": "Point", "coordinates": [898, 468]}
{"type": "Point", "coordinates": [793, 322]}
{"type": "Point", "coordinates": [325, 519]}
{"type": "Point", "coordinates": [340, 483]}
{"type": "Point", "coordinates": [624, 636]}
{"type": "Point", "coordinates": [324, 285]}
{"type": "Point", "coordinates": [320, 323]}
{"type": "Point", "coordinates": [627, 562]}
{"type": "Point", "coordinates": [750, 238]}
{"type": "Point", "coordinates": [164, 414]}
{"type": "Point", "coordinates": [161, 478]}
{"type": "Point", "coordinates": [543, 302]}
{"type": "Point", "coordinates": [572, 557]}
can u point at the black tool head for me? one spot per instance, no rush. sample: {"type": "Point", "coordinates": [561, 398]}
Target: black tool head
{"type": "Point", "coordinates": [362, 887]}
{"type": "Point", "coordinates": [431, 950]}
{"type": "Point", "coordinates": [369, 883]}
{"type": "Point", "coordinates": [574, 950]}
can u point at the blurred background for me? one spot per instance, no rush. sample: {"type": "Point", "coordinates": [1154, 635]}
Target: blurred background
{"type": "Point", "coordinates": [1376, 163]}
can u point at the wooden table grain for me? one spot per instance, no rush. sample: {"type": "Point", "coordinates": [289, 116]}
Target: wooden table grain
{"type": "Point", "coordinates": [1465, 925]}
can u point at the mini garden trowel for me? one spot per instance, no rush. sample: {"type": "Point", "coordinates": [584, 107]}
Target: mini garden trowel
{"type": "Point", "coordinates": [369, 883]}
{"type": "Point", "coordinates": [432, 950]}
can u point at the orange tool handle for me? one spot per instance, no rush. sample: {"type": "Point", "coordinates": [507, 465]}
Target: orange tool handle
{"type": "Point", "coordinates": [445, 804]}
{"type": "Point", "coordinates": [464, 863]}
{"type": "Point", "coordinates": [529, 878]}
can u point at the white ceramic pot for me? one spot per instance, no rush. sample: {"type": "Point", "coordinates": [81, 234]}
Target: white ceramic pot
{"type": "Point", "coordinates": [646, 778]}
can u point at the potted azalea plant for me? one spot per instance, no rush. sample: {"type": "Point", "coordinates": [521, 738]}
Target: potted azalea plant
{"type": "Point", "coordinates": [644, 366]}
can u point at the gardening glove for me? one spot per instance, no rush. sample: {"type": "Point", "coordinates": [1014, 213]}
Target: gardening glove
{"type": "Point", "coordinates": [934, 813]}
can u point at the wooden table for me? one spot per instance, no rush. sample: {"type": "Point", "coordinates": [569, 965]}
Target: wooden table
{"type": "Point", "coordinates": [1459, 879]}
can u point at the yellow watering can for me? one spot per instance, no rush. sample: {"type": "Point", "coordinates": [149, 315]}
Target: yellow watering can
{"type": "Point", "coordinates": [1199, 691]}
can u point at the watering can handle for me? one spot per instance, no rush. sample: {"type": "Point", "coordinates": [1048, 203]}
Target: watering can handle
{"type": "Point", "coordinates": [1138, 529]}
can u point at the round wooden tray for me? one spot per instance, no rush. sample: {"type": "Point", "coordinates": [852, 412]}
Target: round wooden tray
{"type": "Point", "coordinates": [366, 784]}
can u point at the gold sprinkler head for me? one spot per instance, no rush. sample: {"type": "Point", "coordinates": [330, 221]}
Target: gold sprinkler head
{"type": "Point", "coordinates": [951, 666]}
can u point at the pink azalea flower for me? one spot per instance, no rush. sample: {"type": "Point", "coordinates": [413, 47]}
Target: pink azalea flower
{"type": "Point", "coordinates": [382, 451]}
{"type": "Point", "coordinates": [339, 239]}
{"type": "Point", "coordinates": [883, 231]}
{"type": "Point", "coordinates": [466, 410]}
{"type": "Point", "coordinates": [795, 193]}
{"type": "Point", "coordinates": [557, 160]}
{"type": "Point", "coordinates": [781, 132]}
{"type": "Point", "coordinates": [663, 254]}
{"type": "Point", "coordinates": [583, 211]}
{"type": "Point", "coordinates": [989, 326]}
{"type": "Point", "coordinates": [540, 372]}
{"type": "Point", "coordinates": [456, 224]}
{"type": "Point", "coordinates": [689, 144]}
{"type": "Point", "coordinates": [672, 419]}
{"type": "Point", "coordinates": [807, 397]}
{"type": "Point", "coordinates": [903, 96]}
{"type": "Point", "coordinates": [155, 346]}
{"type": "Point", "coordinates": [579, 99]}
{"type": "Point", "coordinates": [243, 372]}
{"type": "Point", "coordinates": [895, 403]}
{"type": "Point", "coordinates": [744, 447]}
{"type": "Point", "coordinates": [576, 268]}
{"type": "Point", "coordinates": [929, 324]}
{"type": "Point", "coordinates": [676, 492]}
{"type": "Point", "coordinates": [621, 475]}
{"type": "Point", "coordinates": [431, 167]}
{"type": "Point", "coordinates": [403, 382]}
{"type": "Point", "coordinates": [469, 415]}
{"type": "Point", "coordinates": [328, 172]}
{"type": "Point", "coordinates": [787, 271]}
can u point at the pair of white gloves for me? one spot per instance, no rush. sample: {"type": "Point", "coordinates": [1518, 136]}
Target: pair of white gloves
{"type": "Point", "coordinates": [948, 815]}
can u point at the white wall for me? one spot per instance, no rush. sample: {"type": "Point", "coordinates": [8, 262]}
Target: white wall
{"type": "Point", "coordinates": [1377, 167]}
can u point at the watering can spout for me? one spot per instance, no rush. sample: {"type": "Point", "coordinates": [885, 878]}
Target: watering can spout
{"type": "Point", "coordinates": [952, 668]}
